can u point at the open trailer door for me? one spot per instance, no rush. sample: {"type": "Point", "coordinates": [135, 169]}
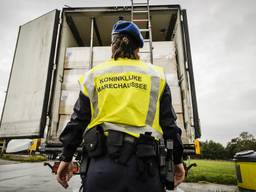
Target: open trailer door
{"type": "Point", "coordinates": [26, 102]}
{"type": "Point", "coordinates": [196, 121]}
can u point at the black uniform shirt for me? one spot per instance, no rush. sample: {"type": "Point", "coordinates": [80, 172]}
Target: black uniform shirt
{"type": "Point", "coordinates": [71, 137]}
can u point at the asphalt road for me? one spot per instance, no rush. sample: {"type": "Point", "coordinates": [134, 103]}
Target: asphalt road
{"type": "Point", "coordinates": [31, 177]}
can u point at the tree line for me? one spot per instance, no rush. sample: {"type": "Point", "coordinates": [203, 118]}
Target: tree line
{"type": "Point", "coordinates": [214, 150]}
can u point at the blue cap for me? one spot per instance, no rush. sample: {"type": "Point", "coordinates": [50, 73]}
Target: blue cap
{"type": "Point", "coordinates": [130, 28]}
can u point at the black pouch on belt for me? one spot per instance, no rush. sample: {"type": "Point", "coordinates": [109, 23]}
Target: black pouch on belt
{"type": "Point", "coordinates": [146, 153]}
{"type": "Point", "coordinates": [94, 142]}
{"type": "Point", "coordinates": [146, 146]}
{"type": "Point", "coordinates": [115, 141]}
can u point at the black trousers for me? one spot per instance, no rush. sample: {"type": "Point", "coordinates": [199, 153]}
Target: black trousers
{"type": "Point", "coordinates": [105, 175]}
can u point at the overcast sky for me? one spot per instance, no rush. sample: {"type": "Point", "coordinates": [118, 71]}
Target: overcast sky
{"type": "Point", "coordinates": [223, 44]}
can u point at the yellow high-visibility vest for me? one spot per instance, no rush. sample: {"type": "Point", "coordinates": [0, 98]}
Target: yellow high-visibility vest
{"type": "Point", "coordinates": [125, 96]}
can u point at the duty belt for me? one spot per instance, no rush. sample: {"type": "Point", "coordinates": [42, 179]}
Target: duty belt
{"type": "Point", "coordinates": [119, 146]}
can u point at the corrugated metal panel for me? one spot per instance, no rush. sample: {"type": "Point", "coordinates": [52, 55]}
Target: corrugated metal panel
{"type": "Point", "coordinates": [24, 113]}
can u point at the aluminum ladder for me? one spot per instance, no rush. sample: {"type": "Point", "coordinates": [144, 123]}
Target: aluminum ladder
{"type": "Point", "coordinates": [140, 14]}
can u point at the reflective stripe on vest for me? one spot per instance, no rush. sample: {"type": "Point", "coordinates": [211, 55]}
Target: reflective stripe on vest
{"type": "Point", "coordinates": [88, 84]}
{"type": "Point", "coordinates": [132, 130]}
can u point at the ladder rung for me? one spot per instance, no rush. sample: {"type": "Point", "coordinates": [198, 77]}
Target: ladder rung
{"type": "Point", "coordinates": [144, 30]}
{"type": "Point", "coordinates": [140, 11]}
{"type": "Point", "coordinates": [140, 20]}
{"type": "Point", "coordinates": [140, 4]}
{"type": "Point", "coordinates": [146, 40]}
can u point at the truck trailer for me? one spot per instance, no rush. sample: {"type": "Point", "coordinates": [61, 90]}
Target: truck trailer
{"type": "Point", "coordinates": [53, 50]}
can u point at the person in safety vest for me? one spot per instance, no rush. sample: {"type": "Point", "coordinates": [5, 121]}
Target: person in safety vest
{"type": "Point", "coordinates": [124, 108]}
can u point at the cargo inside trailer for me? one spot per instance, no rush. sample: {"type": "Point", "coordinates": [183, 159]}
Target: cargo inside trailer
{"type": "Point", "coordinates": [75, 53]}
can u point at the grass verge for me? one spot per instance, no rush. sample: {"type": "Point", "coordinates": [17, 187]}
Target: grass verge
{"type": "Point", "coordinates": [221, 172]}
{"type": "Point", "coordinates": [24, 158]}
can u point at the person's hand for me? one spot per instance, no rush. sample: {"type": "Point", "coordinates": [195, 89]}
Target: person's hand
{"type": "Point", "coordinates": [64, 173]}
{"type": "Point", "coordinates": [179, 175]}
